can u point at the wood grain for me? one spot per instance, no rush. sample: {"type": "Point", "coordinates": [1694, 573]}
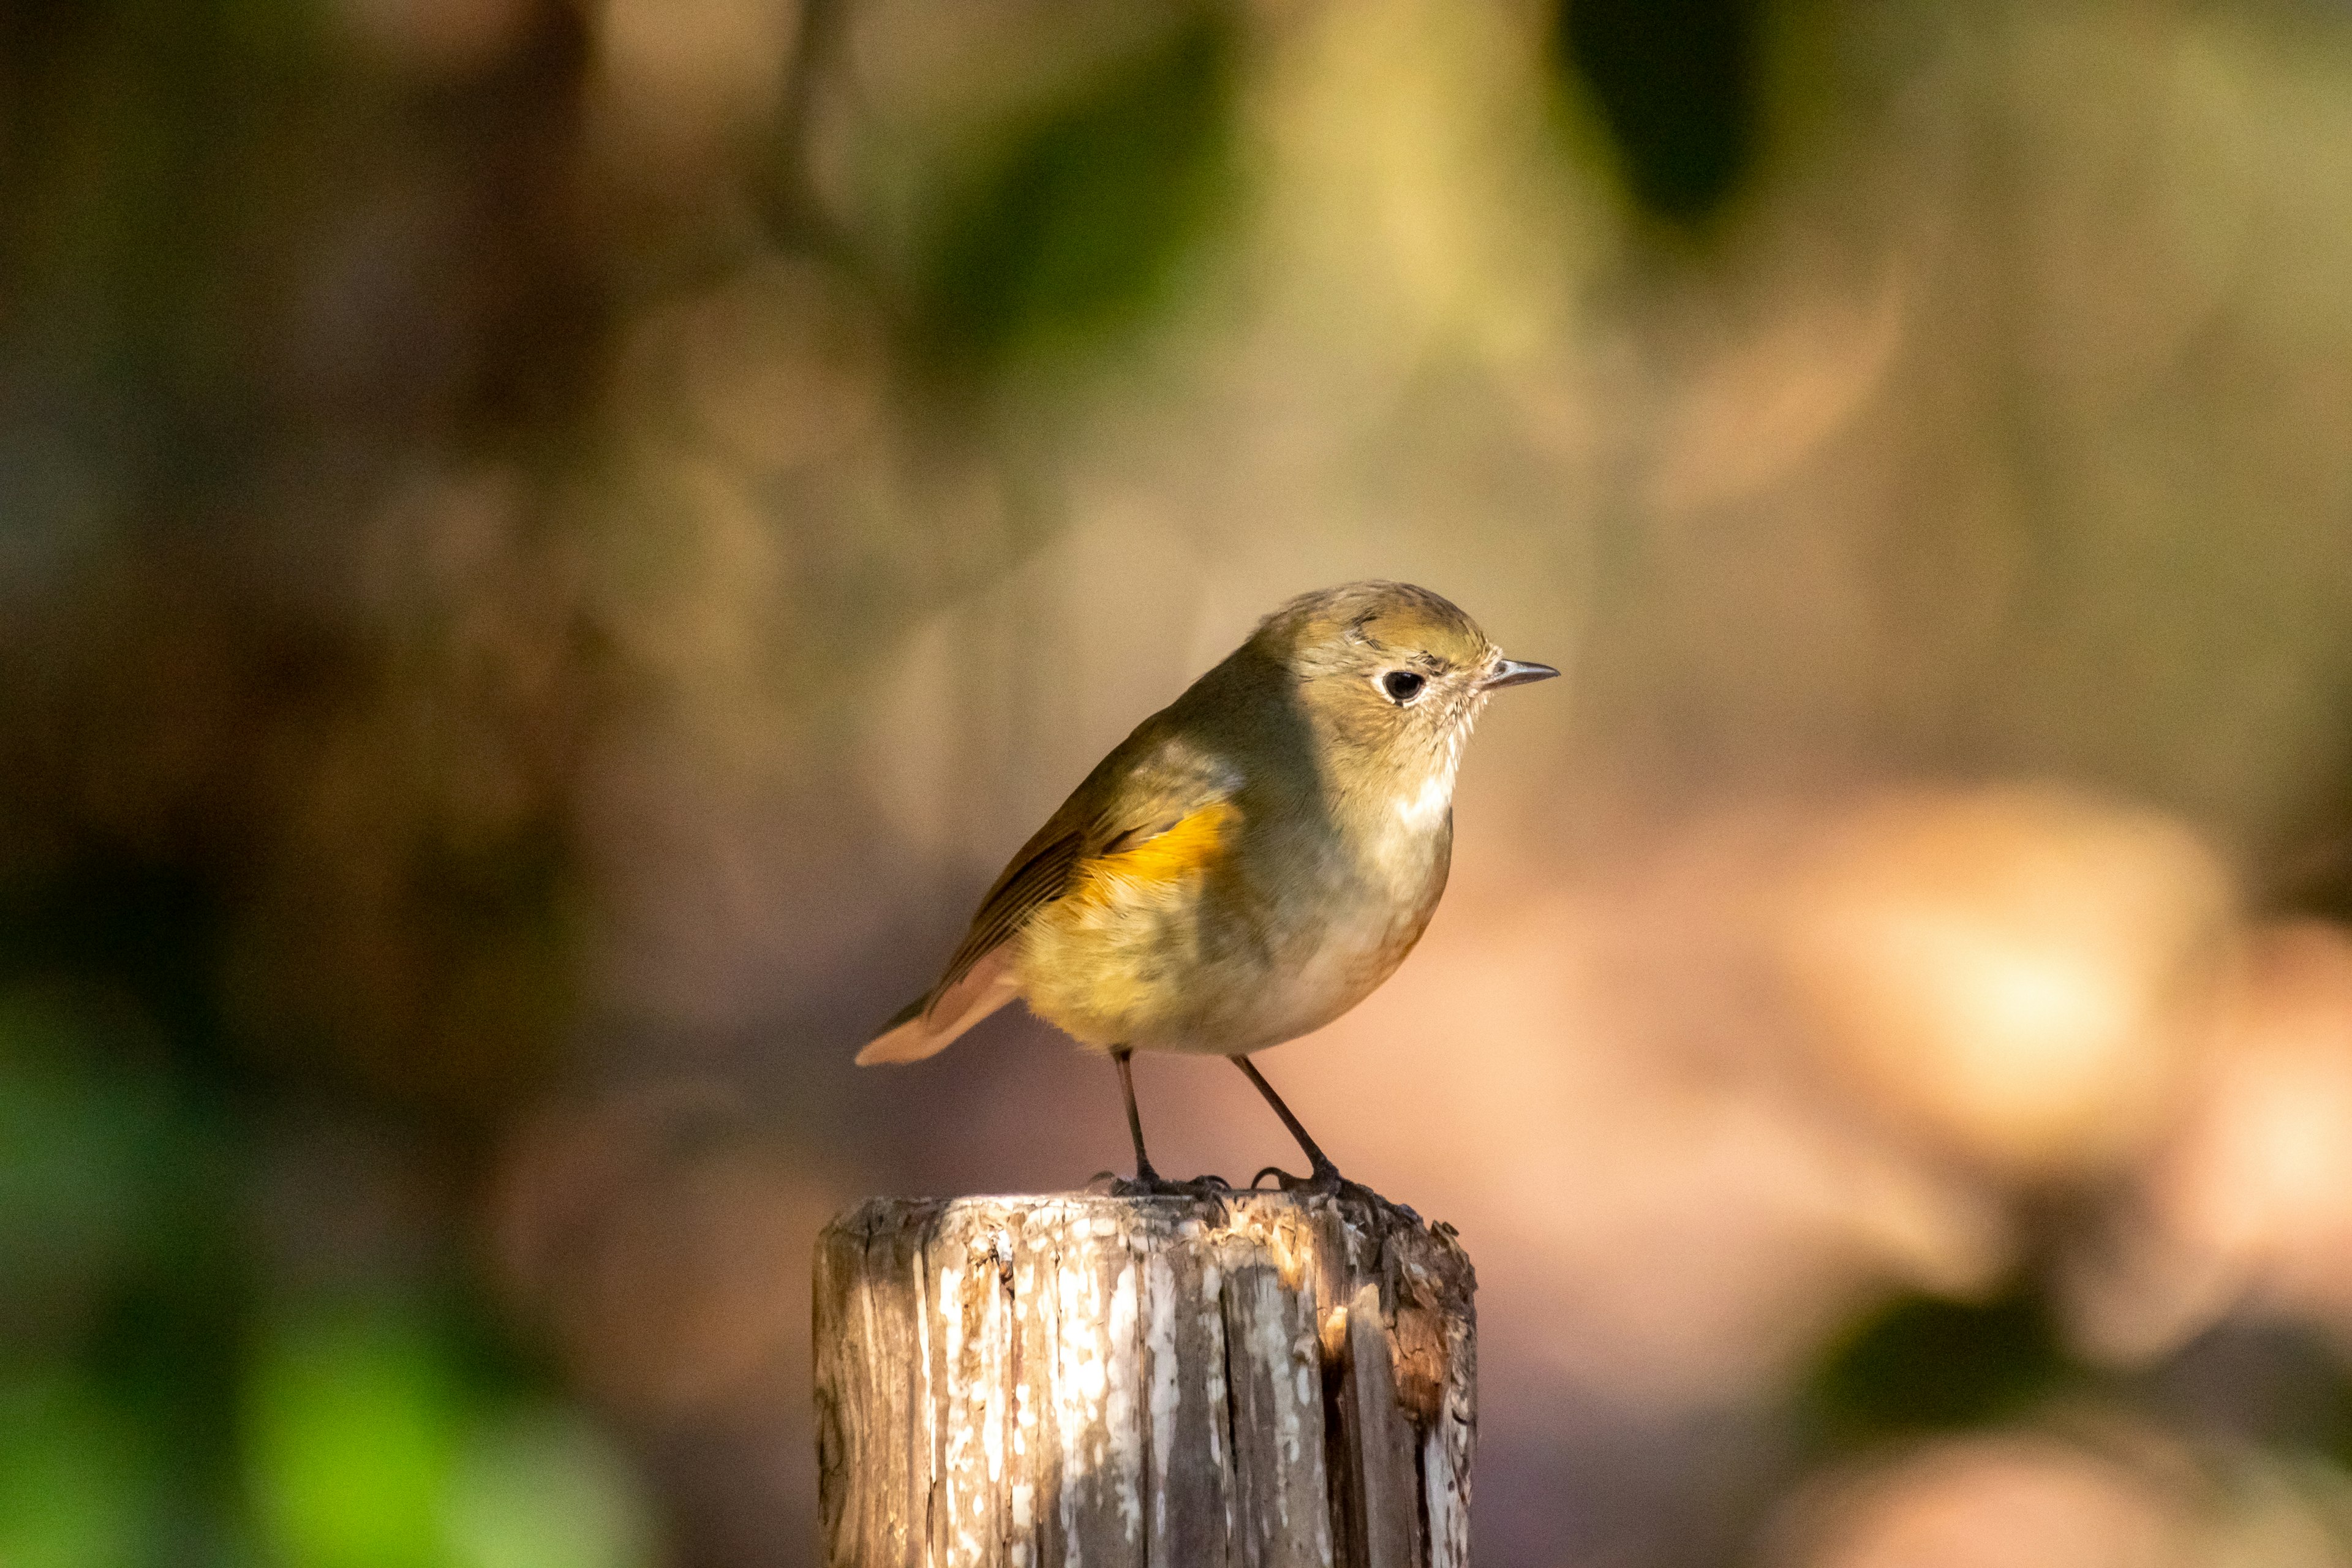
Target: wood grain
{"type": "Point", "coordinates": [1274, 1381]}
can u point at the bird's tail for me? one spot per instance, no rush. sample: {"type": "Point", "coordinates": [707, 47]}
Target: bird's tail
{"type": "Point", "coordinates": [926, 1025]}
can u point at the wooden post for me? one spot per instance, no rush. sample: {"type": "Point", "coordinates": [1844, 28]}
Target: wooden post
{"type": "Point", "coordinates": [1274, 1381]}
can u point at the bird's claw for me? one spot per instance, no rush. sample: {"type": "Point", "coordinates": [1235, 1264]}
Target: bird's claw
{"type": "Point", "coordinates": [1325, 1181]}
{"type": "Point", "coordinates": [1152, 1184]}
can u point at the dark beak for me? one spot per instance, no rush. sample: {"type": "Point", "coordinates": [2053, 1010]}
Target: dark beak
{"type": "Point", "coordinates": [1511, 672]}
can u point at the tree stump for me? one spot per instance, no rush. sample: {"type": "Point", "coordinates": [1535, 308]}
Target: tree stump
{"type": "Point", "coordinates": [1275, 1380]}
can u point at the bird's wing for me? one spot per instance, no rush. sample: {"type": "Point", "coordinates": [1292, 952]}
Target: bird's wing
{"type": "Point", "coordinates": [1151, 785]}
{"type": "Point", "coordinates": [1128, 801]}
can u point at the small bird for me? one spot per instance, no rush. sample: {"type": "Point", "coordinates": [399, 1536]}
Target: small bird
{"type": "Point", "coordinates": [1249, 864]}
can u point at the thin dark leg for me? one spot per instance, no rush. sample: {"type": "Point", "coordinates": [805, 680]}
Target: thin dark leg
{"type": "Point", "coordinates": [1318, 1160]}
{"type": "Point", "coordinates": [1143, 1171]}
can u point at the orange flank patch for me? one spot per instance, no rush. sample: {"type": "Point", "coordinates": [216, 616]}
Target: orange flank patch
{"type": "Point", "coordinates": [1176, 857]}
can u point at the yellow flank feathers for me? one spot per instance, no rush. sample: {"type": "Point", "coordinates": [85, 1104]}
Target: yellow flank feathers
{"type": "Point", "coordinates": [1166, 860]}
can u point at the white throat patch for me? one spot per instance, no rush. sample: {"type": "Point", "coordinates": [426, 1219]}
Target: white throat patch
{"type": "Point", "coordinates": [1420, 809]}
{"type": "Point", "coordinates": [1423, 807]}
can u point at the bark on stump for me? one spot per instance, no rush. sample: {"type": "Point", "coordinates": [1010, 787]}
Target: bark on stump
{"type": "Point", "coordinates": [1157, 1383]}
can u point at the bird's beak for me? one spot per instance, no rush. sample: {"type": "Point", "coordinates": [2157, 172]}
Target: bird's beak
{"type": "Point", "coordinates": [1511, 672]}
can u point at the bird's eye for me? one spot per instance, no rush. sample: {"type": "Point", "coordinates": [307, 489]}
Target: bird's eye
{"type": "Point", "coordinates": [1402, 685]}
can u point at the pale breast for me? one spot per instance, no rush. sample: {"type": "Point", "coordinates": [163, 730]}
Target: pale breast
{"type": "Point", "coordinates": [1338, 962]}
{"type": "Point", "coordinates": [1342, 929]}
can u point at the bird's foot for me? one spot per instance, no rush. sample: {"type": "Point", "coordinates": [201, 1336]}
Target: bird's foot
{"type": "Point", "coordinates": [1149, 1183]}
{"type": "Point", "coordinates": [1325, 1181]}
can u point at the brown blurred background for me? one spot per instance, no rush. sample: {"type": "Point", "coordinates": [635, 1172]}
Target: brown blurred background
{"type": "Point", "coordinates": [548, 550]}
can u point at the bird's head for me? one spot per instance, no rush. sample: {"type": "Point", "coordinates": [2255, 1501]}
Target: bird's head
{"type": "Point", "coordinates": [1389, 670]}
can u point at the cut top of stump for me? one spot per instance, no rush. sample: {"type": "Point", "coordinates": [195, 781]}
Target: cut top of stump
{"type": "Point", "coordinates": [1269, 1379]}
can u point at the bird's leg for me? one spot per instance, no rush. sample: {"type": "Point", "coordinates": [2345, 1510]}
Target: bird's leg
{"type": "Point", "coordinates": [1324, 1173]}
{"type": "Point", "coordinates": [1323, 1177]}
{"type": "Point", "coordinates": [1145, 1176]}
{"type": "Point", "coordinates": [1149, 1183]}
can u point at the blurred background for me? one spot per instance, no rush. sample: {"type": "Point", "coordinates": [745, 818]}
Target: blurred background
{"type": "Point", "coordinates": [548, 549]}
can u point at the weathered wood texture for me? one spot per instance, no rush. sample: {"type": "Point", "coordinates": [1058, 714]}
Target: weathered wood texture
{"type": "Point", "coordinates": [1160, 1383]}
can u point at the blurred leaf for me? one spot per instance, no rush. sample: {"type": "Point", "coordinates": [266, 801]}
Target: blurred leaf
{"type": "Point", "coordinates": [542, 1488]}
{"type": "Point", "coordinates": [1923, 1364]}
{"type": "Point", "coordinates": [73, 1484]}
{"type": "Point", "coordinates": [1674, 81]}
{"type": "Point", "coordinates": [353, 1431]}
{"type": "Point", "coordinates": [77, 1137]}
{"type": "Point", "coordinates": [1077, 224]}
